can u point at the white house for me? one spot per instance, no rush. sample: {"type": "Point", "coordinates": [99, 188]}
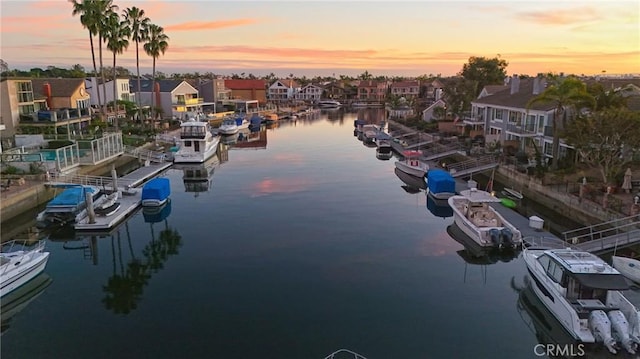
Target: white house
{"type": "Point", "coordinates": [310, 93]}
{"type": "Point", "coordinates": [123, 91]}
{"type": "Point", "coordinates": [283, 90]}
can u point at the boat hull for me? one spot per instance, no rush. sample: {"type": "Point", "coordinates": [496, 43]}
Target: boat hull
{"type": "Point", "coordinates": [197, 157]}
{"type": "Point", "coordinates": [412, 170]}
{"type": "Point", "coordinates": [23, 274]}
{"type": "Point", "coordinates": [628, 267]}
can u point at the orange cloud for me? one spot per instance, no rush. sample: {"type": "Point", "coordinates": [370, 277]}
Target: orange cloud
{"type": "Point", "coordinates": [560, 16]}
{"type": "Point", "coordinates": [210, 25]}
{"type": "Point", "coordinates": [287, 52]}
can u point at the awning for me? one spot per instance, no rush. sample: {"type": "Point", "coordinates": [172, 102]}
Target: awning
{"type": "Point", "coordinates": [603, 281]}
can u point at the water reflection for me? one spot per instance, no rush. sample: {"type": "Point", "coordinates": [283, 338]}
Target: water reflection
{"type": "Point", "coordinates": [474, 254]}
{"type": "Point", "coordinates": [18, 299]}
{"type": "Point", "coordinates": [412, 184]}
{"type": "Point", "coordinates": [125, 286]}
{"type": "Point", "coordinates": [438, 207]}
{"type": "Point", "coordinates": [255, 139]}
{"type": "Point", "coordinates": [197, 178]}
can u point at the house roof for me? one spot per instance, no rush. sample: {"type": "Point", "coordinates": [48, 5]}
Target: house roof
{"type": "Point", "coordinates": [519, 99]}
{"type": "Point", "coordinates": [166, 85]}
{"type": "Point", "coordinates": [405, 84]}
{"type": "Point", "coordinates": [492, 89]}
{"type": "Point", "coordinates": [244, 84]}
{"type": "Point", "coordinates": [368, 83]}
{"type": "Point", "coordinates": [290, 83]}
{"type": "Point", "coordinates": [59, 87]}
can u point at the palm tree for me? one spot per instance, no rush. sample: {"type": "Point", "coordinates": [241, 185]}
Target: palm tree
{"type": "Point", "coordinates": [156, 44]}
{"type": "Point", "coordinates": [89, 18]}
{"type": "Point", "coordinates": [138, 23]}
{"type": "Point", "coordinates": [566, 94]}
{"type": "Point", "coordinates": [104, 10]}
{"type": "Point", "coordinates": [117, 41]}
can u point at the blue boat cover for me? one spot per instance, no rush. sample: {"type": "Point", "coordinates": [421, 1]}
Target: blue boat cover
{"type": "Point", "coordinates": [157, 188]}
{"type": "Point", "coordinates": [440, 181]}
{"type": "Point", "coordinates": [72, 196]}
{"type": "Point", "coordinates": [239, 120]}
{"type": "Point", "coordinates": [256, 120]}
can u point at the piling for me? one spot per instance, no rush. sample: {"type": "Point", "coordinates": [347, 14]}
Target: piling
{"type": "Point", "coordinates": [88, 198]}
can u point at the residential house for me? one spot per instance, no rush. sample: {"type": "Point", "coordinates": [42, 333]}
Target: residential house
{"type": "Point", "coordinates": [334, 90]}
{"type": "Point", "coordinates": [177, 98]}
{"type": "Point", "coordinates": [502, 114]}
{"type": "Point", "coordinates": [428, 114]}
{"type": "Point", "coordinates": [370, 90]}
{"type": "Point", "coordinates": [43, 105]}
{"type": "Point", "coordinates": [432, 90]}
{"type": "Point", "coordinates": [245, 89]}
{"type": "Point", "coordinates": [283, 90]}
{"type": "Point", "coordinates": [406, 89]}
{"type": "Point", "coordinates": [214, 90]}
{"type": "Point", "coordinates": [310, 92]}
{"type": "Point", "coordinates": [123, 90]}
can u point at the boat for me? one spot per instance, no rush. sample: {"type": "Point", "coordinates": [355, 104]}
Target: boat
{"type": "Point", "coordinates": [14, 302]}
{"type": "Point", "coordinates": [412, 164]}
{"type": "Point", "coordinates": [358, 124]}
{"type": "Point", "coordinates": [439, 208]}
{"type": "Point", "coordinates": [369, 133]}
{"type": "Point", "coordinates": [156, 214]}
{"type": "Point", "coordinates": [628, 267]}
{"type": "Point", "coordinates": [383, 142]}
{"type": "Point", "coordinates": [197, 143]}
{"type": "Point", "coordinates": [228, 127]}
{"type": "Point", "coordinates": [512, 194]}
{"type": "Point", "coordinates": [475, 216]}
{"type": "Point", "coordinates": [69, 206]}
{"type": "Point", "coordinates": [109, 206]}
{"type": "Point", "coordinates": [242, 123]}
{"type": "Point", "coordinates": [19, 263]}
{"type": "Point", "coordinates": [328, 104]}
{"type": "Point", "coordinates": [585, 294]}
{"type": "Point", "coordinates": [411, 180]}
{"type": "Point", "coordinates": [198, 178]}
{"type": "Point", "coordinates": [384, 155]}
{"type": "Point", "coordinates": [441, 184]}
{"type": "Point", "coordinates": [156, 192]}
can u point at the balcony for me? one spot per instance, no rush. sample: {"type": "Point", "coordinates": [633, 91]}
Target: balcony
{"type": "Point", "coordinates": [528, 130]}
{"type": "Point", "coordinates": [189, 102]}
{"type": "Point", "coordinates": [55, 116]}
{"type": "Point", "coordinates": [473, 120]}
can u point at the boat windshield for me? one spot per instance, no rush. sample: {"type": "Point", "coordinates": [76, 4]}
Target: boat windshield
{"type": "Point", "coordinates": [192, 131]}
{"type": "Point", "coordinates": [602, 281]}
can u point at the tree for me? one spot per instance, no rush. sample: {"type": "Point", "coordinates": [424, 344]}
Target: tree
{"type": "Point", "coordinates": [89, 18]}
{"type": "Point", "coordinates": [483, 71]}
{"type": "Point", "coordinates": [156, 44]}
{"type": "Point", "coordinates": [104, 10]}
{"type": "Point", "coordinates": [459, 92]}
{"type": "Point", "coordinates": [567, 94]}
{"type": "Point", "coordinates": [364, 76]}
{"type": "Point", "coordinates": [117, 37]}
{"type": "Point", "coordinates": [137, 23]}
{"type": "Point", "coordinates": [606, 98]}
{"type": "Point", "coordinates": [602, 138]}
{"type": "Point", "coordinates": [4, 67]}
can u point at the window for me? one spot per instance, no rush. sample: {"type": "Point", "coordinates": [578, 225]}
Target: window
{"type": "Point", "coordinates": [544, 262]}
{"type": "Point", "coordinates": [187, 143]}
{"type": "Point", "coordinates": [498, 115]}
{"type": "Point", "coordinates": [24, 91]}
{"type": "Point", "coordinates": [541, 124]}
{"type": "Point", "coordinates": [26, 109]}
{"type": "Point", "coordinates": [555, 272]}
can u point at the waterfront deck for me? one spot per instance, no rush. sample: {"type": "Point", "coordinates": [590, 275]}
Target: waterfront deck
{"type": "Point", "coordinates": [128, 204]}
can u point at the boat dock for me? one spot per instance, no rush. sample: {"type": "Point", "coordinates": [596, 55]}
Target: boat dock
{"type": "Point", "coordinates": [129, 202]}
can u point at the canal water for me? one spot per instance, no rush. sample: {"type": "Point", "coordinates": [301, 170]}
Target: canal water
{"type": "Point", "coordinates": [297, 246]}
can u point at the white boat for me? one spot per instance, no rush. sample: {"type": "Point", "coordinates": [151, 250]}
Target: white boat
{"type": "Point", "coordinates": [512, 193]}
{"type": "Point", "coordinates": [197, 143]}
{"type": "Point", "coordinates": [412, 163]}
{"type": "Point", "coordinates": [69, 206]}
{"type": "Point", "coordinates": [370, 132]}
{"type": "Point", "coordinates": [228, 127]}
{"type": "Point", "coordinates": [329, 104]}
{"type": "Point", "coordinates": [20, 263]}
{"type": "Point", "coordinates": [109, 205]}
{"type": "Point", "coordinates": [473, 214]}
{"type": "Point", "coordinates": [242, 123]}
{"type": "Point", "coordinates": [383, 142]}
{"type": "Point", "coordinates": [585, 294]}
{"type": "Point", "coordinates": [628, 267]}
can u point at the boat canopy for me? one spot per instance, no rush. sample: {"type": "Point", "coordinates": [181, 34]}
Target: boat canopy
{"type": "Point", "coordinates": [440, 181]}
{"type": "Point", "coordinates": [411, 153]}
{"type": "Point", "coordinates": [475, 195]}
{"type": "Point", "coordinates": [602, 281]}
{"type": "Point", "coordinates": [158, 189]}
{"type": "Point", "coordinates": [72, 196]}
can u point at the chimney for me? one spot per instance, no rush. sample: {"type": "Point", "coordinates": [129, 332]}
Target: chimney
{"type": "Point", "coordinates": [536, 85]}
{"type": "Point", "coordinates": [515, 84]}
{"type": "Point", "coordinates": [46, 88]}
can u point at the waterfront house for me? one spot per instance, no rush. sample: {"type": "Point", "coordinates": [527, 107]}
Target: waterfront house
{"type": "Point", "coordinates": [283, 90]}
{"type": "Point", "coordinates": [334, 90]}
{"type": "Point", "coordinates": [123, 93]}
{"type": "Point", "coordinates": [310, 93]}
{"type": "Point", "coordinates": [44, 105]}
{"type": "Point", "coordinates": [429, 113]}
{"type": "Point", "coordinates": [213, 90]}
{"type": "Point", "coordinates": [370, 90]}
{"type": "Point", "coordinates": [177, 98]}
{"type": "Point", "coordinates": [433, 90]}
{"type": "Point", "coordinates": [246, 89]}
{"type": "Point", "coordinates": [406, 89]}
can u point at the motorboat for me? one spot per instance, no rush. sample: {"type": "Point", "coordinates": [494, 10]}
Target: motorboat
{"type": "Point", "coordinates": [585, 294]}
{"type": "Point", "coordinates": [411, 180]}
{"type": "Point", "coordinates": [19, 263]}
{"type": "Point", "coordinates": [628, 267]}
{"type": "Point", "coordinates": [109, 206]}
{"type": "Point", "coordinates": [228, 127]}
{"type": "Point", "coordinates": [383, 142]}
{"type": "Point", "coordinates": [370, 132]}
{"type": "Point", "coordinates": [329, 104]}
{"type": "Point", "coordinates": [197, 143]}
{"type": "Point", "coordinates": [412, 163]}
{"type": "Point", "coordinates": [512, 194]}
{"type": "Point", "coordinates": [242, 123]}
{"type": "Point", "coordinates": [69, 206]}
{"type": "Point", "coordinates": [156, 192]}
{"type": "Point", "coordinates": [383, 155]}
{"type": "Point", "coordinates": [474, 215]}
{"type": "Point", "coordinates": [441, 184]}
{"type": "Point", "coordinates": [358, 124]}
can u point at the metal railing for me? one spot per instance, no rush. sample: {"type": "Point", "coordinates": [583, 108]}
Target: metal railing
{"type": "Point", "coordinates": [473, 165]}
{"type": "Point", "coordinates": [144, 154]}
{"type": "Point", "coordinates": [98, 181]}
{"type": "Point", "coordinates": [602, 231]}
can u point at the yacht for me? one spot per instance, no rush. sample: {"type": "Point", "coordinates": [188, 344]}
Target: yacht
{"type": "Point", "coordinates": [412, 164]}
{"type": "Point", "coordinates": [585, 294]}
{"type": "Point", "coordinates": [19, 264]}
{"type": "Point", "coordinates": [228, 127]}
{"type": "Point", "coordinates": [329, 104]}
{"type": "Point", "coordinates": [473, 214]}
{"type": "Point", "coordinates": [197, 143]}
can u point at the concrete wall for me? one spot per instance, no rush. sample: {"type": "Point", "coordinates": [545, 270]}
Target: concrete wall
{"type": "Point", "coordinates": [26, 200]}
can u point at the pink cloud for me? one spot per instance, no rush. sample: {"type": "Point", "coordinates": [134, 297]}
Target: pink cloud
{"type": "Point", "coordinates": [209, 25]}
{"type": "Point", "coordinates": [280, 185]}
{"type": "Point", "coordinates": [560, 16]}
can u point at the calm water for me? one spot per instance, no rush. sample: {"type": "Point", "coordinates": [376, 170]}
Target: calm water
{"type": "Point", "coordinates": [295, 250]}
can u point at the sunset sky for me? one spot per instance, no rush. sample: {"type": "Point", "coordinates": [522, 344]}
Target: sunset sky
{"type": "Point", "coordinates": [344, 37]}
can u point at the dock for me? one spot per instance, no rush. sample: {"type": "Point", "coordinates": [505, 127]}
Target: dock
{"type": "Point", "coordinates": [129, 202]}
